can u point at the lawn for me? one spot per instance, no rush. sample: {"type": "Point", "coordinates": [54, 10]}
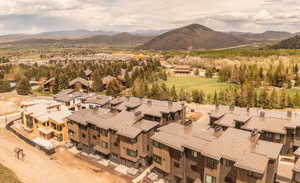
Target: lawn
{"type": "Point", "coordinates": [7, 176]}
{"type": "Point", "coordinates": [190, 82]}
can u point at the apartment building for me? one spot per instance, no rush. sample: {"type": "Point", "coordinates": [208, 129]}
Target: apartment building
{"type": "Point", "coordinates": [296, 169]}
{"type": "Point", "coordinates": [121, 132]}
{"type": "Point", "coordinates": [163, 112]}
{"type": "Point", "coordinates": [186, 154]}
{"type": "Point", "coordinates": [73, 99]}
{"type": "Point", "coordinates": [46, 118]}
{"type": "Point", "coordinates": [278, 127]}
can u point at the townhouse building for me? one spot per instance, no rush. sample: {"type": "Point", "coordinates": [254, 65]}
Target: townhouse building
{"type": "Point", "coordinates": [122, 131]}
{"type": "Point", "coordinates": [187, 154]}
{"type": "Point", "coordinates": [278, 127]}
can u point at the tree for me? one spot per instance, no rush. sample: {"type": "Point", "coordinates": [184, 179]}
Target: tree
{"type": "Point", "coordinates": [173, 93]}
{"type": "Point", "coordinates": [196, 72]}
{"type": "Point", "coordinates": [182, 95]}
{"type": "Point", "coordinates": [23, 86]}
{"type": "Point", "coordinates": [113, 88]}
{"type": "Point", "coordinates": [127, 79]}
{"type": "Point", "coordinates": [4, 86]}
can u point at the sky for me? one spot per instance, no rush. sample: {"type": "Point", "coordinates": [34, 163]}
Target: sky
{"type": "Point", "coordinates": [34, 16]}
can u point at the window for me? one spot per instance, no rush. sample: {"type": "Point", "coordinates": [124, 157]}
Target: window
{"type": "Point", "coordinates": [71, 133]}
{"type": "Point", "coordinates": [277, 137]}
{"type": "Point", "coordinates": [157, 159]}
{"type": "Point", "coordinates": [211, 163]}
{"type": "Point", "coordinates": [190, 180]}
{"type": "Point", "coordinates": [59, 128]}
{"type": "Point", "coordinates": [133, 140]}
{"type": "Point", "coordinates": [83, 135]}
{"type": "Point", "coordinates": [176, 164]}
{"type": "Point", "coordinates": [131, 153]}
{"type": "Point", "coordinates": [177, 179]}
{"type": "Point", "coordinates": [104, 144]}
{"type": "Point", "coordinates": [210, 179]}
{"type": "Point", "coordinates": [229, 163]}
{"type": "Point", "coordinates": [253, 175]}
{"type": "Point", "coordinates": [195, 168]}
{"type": "Point", "coordinates": [157, 144]}
{"type": "Point", "coordinates": [94, 137]}
{"type": "Point", "coordinates": [103, 132]}
{"type": "Point", "coordinates": [194, 154]}
{"type": "Point", "coordinates": [268, 135]}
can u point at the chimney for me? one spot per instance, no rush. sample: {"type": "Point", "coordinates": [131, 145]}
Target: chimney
{"type": "Point", "coordinates": [217, 107]}
{"type": "Point", "coordinates": [254, 137]}
{"type": "Point", "coordinates": [248, 109]}
{"type": "Point", "coordinates": [187, 123]}
{"type": "Point", "coordinates": [289, 114]}
{"type": "Point", "coordinates": [138, 115]}
{"type": "Point", "coordinates": [170, 104]}
{"type": "Point", "coordinates": [127, 97]}
{"type": "Point", "coordinates": [262, 114]}
{"type": "Point", "coordinates": [231, 108]}
{"type": "Point", "coordinates": [149, 103]}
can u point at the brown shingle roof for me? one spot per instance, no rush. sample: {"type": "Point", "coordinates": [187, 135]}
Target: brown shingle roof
{"type": "Point", "coordinates": [79, 80]}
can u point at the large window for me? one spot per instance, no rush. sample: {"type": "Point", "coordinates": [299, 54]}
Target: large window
{"type": "Point", "coordinates": [210, 179]}
{"type": "Point", "coordinates": [194, 154]}
{"type": "Point", "coordinates": [211, 163]}
{"type": "Point", "coordinates": [104, 144]}
{"type": "Point", "coordinates": [253, 175]}
{"type": "Point", "coordinates": [71, 133]}
{"type": "Point", "coordinates": [103, 132]}
{"type": "Point", "coordinates": [156, 159]}
{"type": "Point", "coordinates": [277, 137]}
{"type": "Point", "coordinates": [157, 144]}
{"type": "Point", "coordinates": [132, 153]}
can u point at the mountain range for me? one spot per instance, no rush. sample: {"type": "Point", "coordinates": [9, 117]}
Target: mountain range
{"type": "Point", "coordinates": [193, 36]}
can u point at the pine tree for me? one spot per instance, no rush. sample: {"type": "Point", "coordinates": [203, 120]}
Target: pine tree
{"type": "Point", "coordinates": [23, 86]}
{"type": "Point", "coordinates": [182, 95]}
{"type": "Point", "coordinates": [274, 100]}
{"type": "Point", "coordinates": [127, 79]}
{"type": "Point", "coordinates": [173, 93]}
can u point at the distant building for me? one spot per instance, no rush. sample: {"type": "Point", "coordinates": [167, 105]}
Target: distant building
{"type": "Point", "coordinates": [182, 69]}
{"type": "Point", "coordinates": [49, 85]}
{"type": "Point", "coordinates": [79, 84]}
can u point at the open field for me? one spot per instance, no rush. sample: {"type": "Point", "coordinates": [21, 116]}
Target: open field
{"type": "Point", "coordinates": [191, 82]}
{"type": "Point", "coordinates": [7, 176]}
{"type": "Point", "coordinates": [37, 167]}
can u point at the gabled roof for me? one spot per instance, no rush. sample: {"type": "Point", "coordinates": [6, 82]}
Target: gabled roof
{"type": "Point", "coordinates": [88, 72]}
{"type": "Point", "coordinates": [79, 80]}
{"type": "Point", "coordinates": [49, 81]}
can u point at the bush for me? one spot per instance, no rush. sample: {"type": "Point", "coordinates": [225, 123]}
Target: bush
{"type": "Point", "coordinates": [4, 86]}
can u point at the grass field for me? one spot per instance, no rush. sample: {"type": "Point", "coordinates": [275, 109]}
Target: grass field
{"type": "Point", "coordinates": [190, 82]}
{"type": "Point", "coordinates": [7, 176]}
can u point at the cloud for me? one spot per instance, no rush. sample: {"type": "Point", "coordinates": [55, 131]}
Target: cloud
{"type": "Point", "coordinates": [120, 15]}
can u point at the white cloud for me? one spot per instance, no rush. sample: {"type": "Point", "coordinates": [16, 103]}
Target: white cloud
{"type": "Point", "coordinates": [128, 15]}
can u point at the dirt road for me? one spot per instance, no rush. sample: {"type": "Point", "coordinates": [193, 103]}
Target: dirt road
{"type": "Point", "coordinates": [37, 167]}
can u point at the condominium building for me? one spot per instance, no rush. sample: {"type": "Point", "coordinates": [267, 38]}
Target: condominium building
{"type": "Point", "coordinates": [278, 127]}
{"type": "Point", "coordinates": [46, 118]}
{"type": "Point", "coordinates": [187, 153]}
{"type": "Point", "coordinates": [122, 132]}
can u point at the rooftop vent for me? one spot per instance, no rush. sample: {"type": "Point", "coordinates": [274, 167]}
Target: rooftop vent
{"type": "Point", "coordinates": [289, 114]}
{"type": "Point", "coordinates": [187, 122]}
{"type": "Point", "coordinates": [218, 128]}
{"type": "Point", "coordinates": [231, 108]}
{"type": "Point", "coordinates": [137, 113]}
{"type": "Point", "coordinates": [170, 103]}
{"type": "Point", "coordinates": [254, 132]}
{"type": "Point", "coordinates": [262, 114]}
{"type": "Point", "coordinates": [149, 102]}
{"type": "Point", "coordinates": [217, 107]}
